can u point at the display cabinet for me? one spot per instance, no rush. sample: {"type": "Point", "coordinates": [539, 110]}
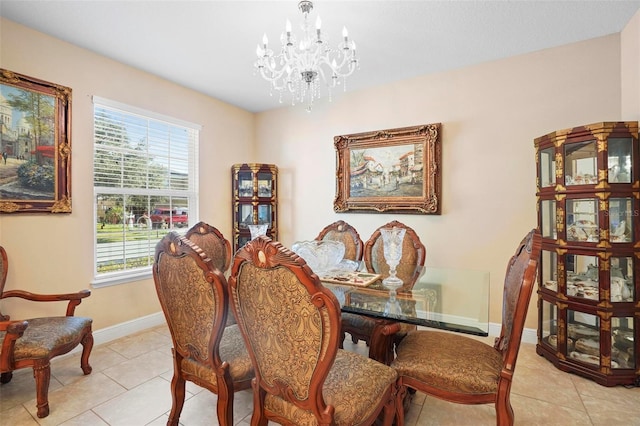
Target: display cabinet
{"type": "Point", "coordinates": [255, 200]}
{"type": "Point", "coordinates": [588, 192]}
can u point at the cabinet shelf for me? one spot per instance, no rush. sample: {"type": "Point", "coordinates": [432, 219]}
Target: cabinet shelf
{"type": "Point", "coordinates": [588, 189]}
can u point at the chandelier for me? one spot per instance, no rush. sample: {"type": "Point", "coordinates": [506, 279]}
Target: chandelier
{"type": "Point", "coordinates": [303, 66]}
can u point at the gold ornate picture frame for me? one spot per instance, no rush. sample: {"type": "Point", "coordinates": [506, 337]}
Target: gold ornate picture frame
{"type": "Point", "coordinates": [35, 145]}
{"type": "Point", "coordinates": [389, 171]}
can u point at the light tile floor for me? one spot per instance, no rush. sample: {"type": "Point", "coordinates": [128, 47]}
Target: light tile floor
{"type": "Point", "coordinates": [129, 386]}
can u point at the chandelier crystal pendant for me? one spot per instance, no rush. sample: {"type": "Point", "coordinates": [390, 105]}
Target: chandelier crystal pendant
{"type": "Point", "coordinates": [303, 65]}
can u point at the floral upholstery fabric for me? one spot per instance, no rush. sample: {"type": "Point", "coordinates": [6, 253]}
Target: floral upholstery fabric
{"type": "Point", "coordinates": [449, 362]}
{"type": "Point", "coordinates": [354, 387]}
{"type": "Point", "coordinates": [285, 336]}
{"type": "Point", "coordinates": [233, 351]}
{"type": "Point", "coordinates": [190, 304]}
{"type": "Point", "coordinates": [43, 335]}
{"type": "Point", "coordinates": [213, 247]}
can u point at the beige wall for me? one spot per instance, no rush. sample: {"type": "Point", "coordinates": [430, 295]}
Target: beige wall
{"type": "Point", "coordinates": [54, 253]}
{"type": "Point", "coordinates": [630, 69]}
{"type": "Point", "coordinates": [490, 114]}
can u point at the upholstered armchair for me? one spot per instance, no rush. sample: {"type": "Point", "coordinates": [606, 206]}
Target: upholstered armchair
{"type": "Point", "coordinates": [32, 343]}
{"type": "Point", "coordinates": [462, 369]}
{"type": "Point", "coordinates": [194, 298]}
{"type": "Point", "coordinates": [409, 269]}
{"type": "Point", "coordinates": [291, 326]}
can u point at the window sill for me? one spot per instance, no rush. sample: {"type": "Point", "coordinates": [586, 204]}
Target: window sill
{"type": "Point", "coordinates": [108, 280]}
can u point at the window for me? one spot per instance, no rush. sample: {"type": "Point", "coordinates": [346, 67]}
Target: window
{"type": "Point", "coordinates": [145, 183]}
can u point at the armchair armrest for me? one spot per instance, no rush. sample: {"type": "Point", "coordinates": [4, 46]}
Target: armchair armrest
{"type": "Point", "coordinates": [74, 298]}
{"type": "Point", "coordinates": [14, 330]}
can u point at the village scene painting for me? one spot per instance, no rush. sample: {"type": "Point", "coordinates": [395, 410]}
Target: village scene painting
{"type": "Point", "coordinates": [387, 171]}
{"type": "Point", "coordinates": [27, 144]}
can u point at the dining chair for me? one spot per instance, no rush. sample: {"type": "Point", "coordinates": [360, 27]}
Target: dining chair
{"type": "Point", "coordinates": [465, 370]}
{"type": "Point", "coordinates": [213, 243]}
{"type": "Point", "coordinates": [291, 326]}
{"type": "Point", "coordinates": [34, 342]}
{"type": "Point", "coordinates": [347, 235]}
{"type": "Point", "coordinates": [217, 248]}
{"type": "Point", "coordinates": [408, 270]}
{"type": "Point", "coordinates": [194, 299]}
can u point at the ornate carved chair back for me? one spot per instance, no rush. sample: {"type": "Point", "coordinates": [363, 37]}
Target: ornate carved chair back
{"type": "Point", "coordinates": [346, 234]}
{"type": "Point", "coordinates": [194, 298]}
{"type": "Point", "coordinates": [216, 247]}
{"type": "Point", "coordinates": [291, 326]}
{"type": "Point", "coordinates": [518, 286]}
{"type": "Point", "coordinates": [413, 255]}
{"type": "Point", "coordinates": [213, 243]}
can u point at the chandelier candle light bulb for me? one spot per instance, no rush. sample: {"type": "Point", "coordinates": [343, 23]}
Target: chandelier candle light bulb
{"type": "Point", "coordinates": [299, 70]}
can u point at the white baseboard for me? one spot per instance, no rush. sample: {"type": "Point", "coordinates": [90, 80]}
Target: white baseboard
{"type": "Point", "coordinates": [529, 335]}
{"type": "Point", "coordinates": [105, 335]}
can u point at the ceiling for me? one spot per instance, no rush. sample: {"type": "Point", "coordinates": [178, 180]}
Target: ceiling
{"type": "Point", "coordinates": [209, 46]}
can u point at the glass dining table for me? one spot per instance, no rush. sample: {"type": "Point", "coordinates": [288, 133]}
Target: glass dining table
{"type": "Point", "coordinates": [448, 299]}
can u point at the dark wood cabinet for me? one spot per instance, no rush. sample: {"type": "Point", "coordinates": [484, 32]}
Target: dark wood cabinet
{"type": "Point", "coordinates": [255, 200]}
{"type": "Point", "coordinates": [588, 193]}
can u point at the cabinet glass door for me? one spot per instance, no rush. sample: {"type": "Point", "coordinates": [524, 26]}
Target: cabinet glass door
{"type": "Point", "coordinates": [245, 184]}
{"type": "Point", "coordinates": [622, 343]}
{"type": "Point", "coordinates": [245, 215]}
{"type": "Point", "coordinates": [582, 276]}
{"type": "Point", "coordinates": [620, 220]}
{"type": "Point", "coordinates": [621, 279]}
{"type": "Point", "coordinates": [264, 185]}
{"type": "Point", "coordinates": [550, 324]}
{"type": "Point", "coordinates": [547, 167]}
{"type": "Point", "coordinates": [264, 214]}
{"type": "Point", "coordinates": [580, 163]}
{"type": "Point", "coordinates": [582, 220]}
{"type": "Point", "coordinates": [549, 264]}
{"type": "Point", "coordinates": [548, 213]}
{"type": "Point", "coordinates": [584, 332]}
{"type": "Point", "coordinates": [619, 160]}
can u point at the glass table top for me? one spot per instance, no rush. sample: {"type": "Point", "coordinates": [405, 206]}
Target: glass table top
{"type": "Point", "coordinates": [448, 299]}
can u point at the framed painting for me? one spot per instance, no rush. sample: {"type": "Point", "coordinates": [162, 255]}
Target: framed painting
{"type": "Point", "coordinates": [389, 171]}
{"type": "Point", "coordinates": [35, 141]}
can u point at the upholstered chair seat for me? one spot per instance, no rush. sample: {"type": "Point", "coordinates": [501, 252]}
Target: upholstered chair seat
{"type": "Point", "coordinates": [45, 336]}
{"type": "Point", "coordinates": [450, 362]}
{"type": "Point", "coordinates": [348, 380]}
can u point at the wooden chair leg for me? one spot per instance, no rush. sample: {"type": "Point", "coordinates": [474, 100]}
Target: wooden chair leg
{"type": "Point", "coordinates": [400, 398]}
{"type": "Point", "coordinates": [42, 374]}
{"type": "Point", "coordinates": [504, 410]}
{"type": "Point", "coordinates": [225, 399]}
{"type": "Point", "coordinates": [87, 345]}
{"type": "Point", "coordinates": [178, 386]}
